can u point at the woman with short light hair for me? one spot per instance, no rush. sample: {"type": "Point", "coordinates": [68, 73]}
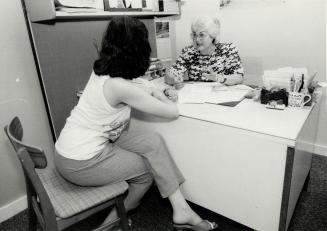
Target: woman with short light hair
{"type": "Point", "coordinates": [207, 59]}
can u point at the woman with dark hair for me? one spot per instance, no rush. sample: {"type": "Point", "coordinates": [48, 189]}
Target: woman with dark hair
{"type": "Point", "coordinates": [94, 147]}
{"type": "Point", "coordinates": [125, 49]}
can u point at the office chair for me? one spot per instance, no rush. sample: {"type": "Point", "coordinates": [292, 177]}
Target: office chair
{"type": "Point", "coordinates": [54, 202]}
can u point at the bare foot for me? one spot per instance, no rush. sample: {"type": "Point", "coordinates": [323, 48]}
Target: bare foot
{"type": "Point", "coordinates": [186, 216]}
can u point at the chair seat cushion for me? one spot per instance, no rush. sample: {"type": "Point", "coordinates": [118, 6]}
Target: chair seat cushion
{"type": "Point", "coordinates": [69, 199]}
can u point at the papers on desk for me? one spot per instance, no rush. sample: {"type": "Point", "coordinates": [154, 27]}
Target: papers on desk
{"type": "Point", "coordinates": [214, 93]}
{"type": "Point", "coordinates": [75, 6]}
{"type": "Point", "coordinates": [194, 93]}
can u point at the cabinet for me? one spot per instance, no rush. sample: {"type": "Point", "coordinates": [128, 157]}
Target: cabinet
{"type": "Point", "coordinates": [66, 47]}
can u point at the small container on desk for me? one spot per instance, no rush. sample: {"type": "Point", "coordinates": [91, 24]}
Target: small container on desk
{"type": "Point", "coordinates": [279, 95]}
{"type": "Point", "coordinates": [298, 99]}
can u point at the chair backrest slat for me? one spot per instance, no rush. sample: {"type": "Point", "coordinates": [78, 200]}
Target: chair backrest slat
{"type": "Point", "coordinates": [15, 133]}
{"type": "Point", "coordinates": [39, 203]}
{"type": "Point", "coordinates": [32, 157]}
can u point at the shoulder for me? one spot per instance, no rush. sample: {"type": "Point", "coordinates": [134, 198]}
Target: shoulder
{"type": "Point", "coordinates": [117, 90]}
{"type": "Point", "coordinates": [116, 84]}
{"type": "Point", "coordinates": [120, 87]}
{"type": "Point", "coordinates": [227, 47]}
{"type": "Point", "coordinates": [189, 50]}
{"type": "Point", "coordinates": [188, 53]}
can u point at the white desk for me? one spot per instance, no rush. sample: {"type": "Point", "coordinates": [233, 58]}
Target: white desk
{"type": "Point", "coordinates": [241, 162]}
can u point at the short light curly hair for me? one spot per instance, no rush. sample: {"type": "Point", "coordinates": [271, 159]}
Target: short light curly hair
{"type": "Point", "coordinates": [209, 24]}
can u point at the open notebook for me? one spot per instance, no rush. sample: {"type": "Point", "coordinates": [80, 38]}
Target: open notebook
{"type": "Point", "coordinates": [214, 93]}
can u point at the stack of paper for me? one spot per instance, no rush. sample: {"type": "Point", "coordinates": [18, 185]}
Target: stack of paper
{"type": "Point", "coordinates": [281, 77]}
{"type": "Point", "coordinates": [79, 5]}
{"type": "Point", "coordinates": [194, 93]}
{"type": "Point", "coordinates": [211, 93]}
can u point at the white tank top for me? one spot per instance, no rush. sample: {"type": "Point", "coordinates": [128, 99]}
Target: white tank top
{"type": "Point", "coordinates": [92, 123]}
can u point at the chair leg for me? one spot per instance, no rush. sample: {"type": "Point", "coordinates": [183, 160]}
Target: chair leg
{"type": "Point", "coordinates": [32, 219]}
{"type": "Point", "coordinates": [122, 213]}
{"type": "Point", "coordinates": [306, 182]}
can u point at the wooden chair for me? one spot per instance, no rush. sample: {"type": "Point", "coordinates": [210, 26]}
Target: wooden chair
{"type": "Point", "coordinates": [54, 202]}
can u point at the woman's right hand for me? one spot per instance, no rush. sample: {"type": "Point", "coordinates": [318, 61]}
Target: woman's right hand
{"type": "Point", "coordinates": [169, 79]}
{"type": "Point", "coordinates": [173, 79]}
{"type": "Point", "coordinates": [171, 94]}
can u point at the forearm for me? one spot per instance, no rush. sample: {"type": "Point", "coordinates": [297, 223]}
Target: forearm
{"type": "Point", "coordinates": [224, 79]}
{"type": "Point", "coordinates": [158, 94]}
{"type": "Point", "coordinates": [169, 109]}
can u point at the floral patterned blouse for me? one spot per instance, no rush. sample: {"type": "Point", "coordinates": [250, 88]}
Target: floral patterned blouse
{"type": "Point", "coordinates": [224, 60]}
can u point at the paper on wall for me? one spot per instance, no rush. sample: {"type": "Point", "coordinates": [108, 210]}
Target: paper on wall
{"type": "Point", "coordinates": [163, 38]}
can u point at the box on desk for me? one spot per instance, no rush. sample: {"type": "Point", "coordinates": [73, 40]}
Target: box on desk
{"type": "Point", "coordinates": [295, 83]}
{"type": "Point", "coordinates": [281, 96]}
{"type": "Point", "coordinates": [120, 5]}
{"type": "Point", "coordinates": [267, 96]}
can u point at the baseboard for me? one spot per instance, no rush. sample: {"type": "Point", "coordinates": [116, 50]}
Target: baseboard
{"type": "Point", "coordinates": [13, 208]}
{"type": "Point", "coordinates": [320, 149]}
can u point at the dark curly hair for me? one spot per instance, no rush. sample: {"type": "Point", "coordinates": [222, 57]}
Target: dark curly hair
{"type": "Point", "coordinates": [125, 50]}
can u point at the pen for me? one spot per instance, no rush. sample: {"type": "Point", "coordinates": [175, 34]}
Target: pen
{"type": "Point", "coordinates": [292, 82]}
{"type": "Point", "coordinates": [296, 84]}
{"type": "Point", "coordinates": [301, 83]}
{"type": "Point", "coordinates": [311, 78]}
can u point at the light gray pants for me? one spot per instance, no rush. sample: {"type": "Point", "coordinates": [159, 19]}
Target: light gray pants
{"type": "Point", "coordinates": [137, 157]}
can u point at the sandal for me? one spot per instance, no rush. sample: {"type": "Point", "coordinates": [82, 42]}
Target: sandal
{"type": "Point", "coordinates": [204, 225]}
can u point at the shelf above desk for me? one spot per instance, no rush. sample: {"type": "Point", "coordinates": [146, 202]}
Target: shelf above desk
{"type": "Point", "coordinates": [107, 14]}
{"type": "Point", "coordinates": [45, 10]}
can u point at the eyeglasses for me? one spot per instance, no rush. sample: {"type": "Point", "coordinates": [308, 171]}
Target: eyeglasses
{"type": "Point", "coordinates": [201, 35]}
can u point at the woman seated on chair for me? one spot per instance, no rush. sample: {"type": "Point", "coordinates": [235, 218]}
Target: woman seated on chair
{"type": "Point", "coordinates": [94, 148]}
{"type": "Point", "coordinates": [207, 59]}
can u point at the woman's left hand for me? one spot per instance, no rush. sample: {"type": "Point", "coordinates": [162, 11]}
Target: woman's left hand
{"type": "Point", "coordinates": [214, 76]}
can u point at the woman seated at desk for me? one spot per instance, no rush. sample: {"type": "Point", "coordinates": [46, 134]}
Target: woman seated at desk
{"type": "Point", "coordinates": [207, 59]}
{"type": "Point", "coordinates": [95, 148]}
